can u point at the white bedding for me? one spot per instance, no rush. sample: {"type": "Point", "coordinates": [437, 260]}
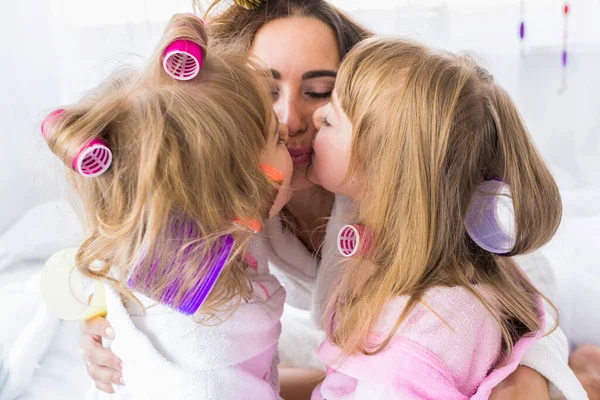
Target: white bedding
{"type": "Point", "coordinates": [61, 373]}
{"type": "Point", "coordinates": [24, 247]}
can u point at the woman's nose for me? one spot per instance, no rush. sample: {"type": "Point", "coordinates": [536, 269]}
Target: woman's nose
{"type": "Point", "coordinates": [289, 113]}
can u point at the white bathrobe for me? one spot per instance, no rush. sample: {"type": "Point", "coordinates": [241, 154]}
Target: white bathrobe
{"type": "Point", "coordinates": [308, 280]}
{"type": "Point", "coordinates": [167, 355]}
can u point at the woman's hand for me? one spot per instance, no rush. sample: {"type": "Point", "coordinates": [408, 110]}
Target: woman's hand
{"type": "Point", "coordinates": [298, 383]}
{"type": "Point", "coordinates": [524, 383]}
{"type": "Point", "coordinates": [103, 366]}
{"type": "Point", "coordinates": [585, 363]}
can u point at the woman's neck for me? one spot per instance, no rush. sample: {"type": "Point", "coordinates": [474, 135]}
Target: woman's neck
{"type": "Point", "coordinates": [310, 209]}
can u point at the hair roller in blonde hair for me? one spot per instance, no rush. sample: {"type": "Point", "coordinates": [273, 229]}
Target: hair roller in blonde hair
{"type": "Point", "coordinates": [49, 121]}
{"type": "Point", "coordinates": [353, 240]}
{"type": "Point", "coordinates": [91, 160]}
{"type": "Point", "coordinates": [182, 59]}
{"type": "Point", "coordinates": [490, 218]}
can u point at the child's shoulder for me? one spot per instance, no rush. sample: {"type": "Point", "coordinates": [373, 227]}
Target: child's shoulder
{"type": "Point", "coordinates": [454, 325]}
{"type": "Point", "coordinates": [450, 310]}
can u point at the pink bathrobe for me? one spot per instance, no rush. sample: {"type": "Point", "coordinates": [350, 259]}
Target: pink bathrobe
{"type": "Point", "coordinates": [428, 358]}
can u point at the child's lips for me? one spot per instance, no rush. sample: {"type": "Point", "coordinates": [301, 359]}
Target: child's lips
{"type": "Point", "coordinates": [301, 155]}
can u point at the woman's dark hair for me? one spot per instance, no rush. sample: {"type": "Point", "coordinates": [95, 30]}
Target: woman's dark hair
{"type": "Point", "coordinates": [240, 25]}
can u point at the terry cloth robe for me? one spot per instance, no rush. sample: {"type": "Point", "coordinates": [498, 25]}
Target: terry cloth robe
{"type": "Point", "coordinates": [308, 279]}
{"type": "Point", "coordinates": [168, 355]}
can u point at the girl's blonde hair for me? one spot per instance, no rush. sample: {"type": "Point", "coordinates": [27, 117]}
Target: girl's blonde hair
{"type": "Point", "coordinates": [428, 128]}
{"type": "Point", "coordinates": [182, 151]}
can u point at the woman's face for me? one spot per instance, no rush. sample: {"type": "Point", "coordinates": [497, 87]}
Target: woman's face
{"type": "Point", "coordinates": [302, 54]}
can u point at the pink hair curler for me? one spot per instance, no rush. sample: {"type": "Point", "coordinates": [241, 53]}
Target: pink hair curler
{"type": "Point", "coordinates": [490, 219]}
{"type": "Point", "coordinates": [183, 59]}
{"type": "Point", "coordinates": [49, 121]}
{"type": "Point", "coordinates": [93, 160]}
{"type": "Point", "coordinates": [352, 240]}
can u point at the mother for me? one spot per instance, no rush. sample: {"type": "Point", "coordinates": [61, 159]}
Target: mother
{"type": "Point", "coordinates": [301, 42]}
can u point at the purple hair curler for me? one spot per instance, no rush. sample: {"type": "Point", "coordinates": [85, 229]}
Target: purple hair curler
{"type": "Point", "coordinates": [182, 59]}
{"type": "Point", "coordinates": [181, 233]}
{"type": "Point", "coordinates": [93, 159]}
{"type": "Point", "coordinates": [352, 240]}
{"type": "Point", "coordinates": [490, 220]}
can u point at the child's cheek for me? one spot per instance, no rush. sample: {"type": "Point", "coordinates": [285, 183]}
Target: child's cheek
{"type": "Point", "coordinates": [328, 164]}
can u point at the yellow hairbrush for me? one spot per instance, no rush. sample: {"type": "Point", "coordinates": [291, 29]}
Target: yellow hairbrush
{"type": "Point", "coordinates": [66, 291]}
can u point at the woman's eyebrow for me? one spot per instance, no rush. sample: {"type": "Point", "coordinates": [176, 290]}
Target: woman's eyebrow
{"type": "Point", "coordinates": [309, 74]}
{"type": "Point", "coordinates": [275, 74]}
{"type": "Point", "coordinates": [319, 73]}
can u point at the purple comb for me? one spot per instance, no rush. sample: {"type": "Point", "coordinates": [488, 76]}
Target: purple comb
{"type": "Point", "coordinates": [206, 277]}
{"type": "Point", "coordinates": [490, 217]}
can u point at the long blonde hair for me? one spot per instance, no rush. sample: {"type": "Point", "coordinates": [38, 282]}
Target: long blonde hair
{"type": "Point", "coordinates": [428, 128]}
{"type": "Point", "coordinates": [181, 151]}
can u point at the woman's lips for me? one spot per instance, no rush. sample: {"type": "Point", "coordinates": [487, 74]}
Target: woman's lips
{"type": "Point", "coordinates": [301, 155]}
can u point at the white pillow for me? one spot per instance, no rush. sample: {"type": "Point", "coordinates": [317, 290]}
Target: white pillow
{"type": "Point", "coordinates": [39, 233]}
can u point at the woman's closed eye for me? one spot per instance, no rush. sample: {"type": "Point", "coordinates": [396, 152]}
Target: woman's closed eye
{"type": "Point", "coordinates": [318, 95]}
{"type": "Point", "coordinates": [318, 88]}
{"type": "Point", "coordinates": [274, 94]}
